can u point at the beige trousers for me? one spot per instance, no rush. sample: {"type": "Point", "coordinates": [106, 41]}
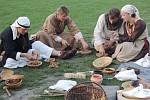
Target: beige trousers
{"type": "Point", "coordinates": [49, 40]}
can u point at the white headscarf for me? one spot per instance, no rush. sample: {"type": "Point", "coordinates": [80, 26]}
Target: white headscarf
{"type": "Point", "coordinates": [23, 22]}
{"type": "Point", "coordinates": [131, 9]}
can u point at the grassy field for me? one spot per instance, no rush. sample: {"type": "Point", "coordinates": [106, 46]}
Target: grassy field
{"type": "Point", "coordinates": [84, 12]}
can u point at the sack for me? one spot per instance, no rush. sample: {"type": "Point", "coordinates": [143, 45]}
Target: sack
{"type": "Point", "coordinates": [126, 75]}
{"type": "Point", "coordinates": [144, 62]}
{"type": "Point", "coordinates": [63, 85]}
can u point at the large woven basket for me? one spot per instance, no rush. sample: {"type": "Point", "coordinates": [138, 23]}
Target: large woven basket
{"type": "Point", "coordinates": [86, 91]}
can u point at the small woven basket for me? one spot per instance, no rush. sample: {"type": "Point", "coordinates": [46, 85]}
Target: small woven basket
{"type": "Point", "coordinates": [14, 81]}
{"type": "Point", "coordinates": [34, 64]}
{"type": "Point", "coordinates": [13, 85]}
{"type": "Point", "coordinates": [86, 91]}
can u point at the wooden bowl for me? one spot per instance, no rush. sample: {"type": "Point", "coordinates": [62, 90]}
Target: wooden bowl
{"type": "Point", "coordinates": [102, 62]}
{"type": "Point", "coordinates": [34, 64]}
{"type": "Point", "coordinates": [109, 70]}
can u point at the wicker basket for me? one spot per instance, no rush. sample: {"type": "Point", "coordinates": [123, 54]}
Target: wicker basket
{"type": "Point", "coordinates": [86, 91]}
{"type": "Point", "coordinates": [13, 85]}
{"type": "Point", "coordinates": [102, 62]}
{"type": "Point", "coordinates": [14, 81]}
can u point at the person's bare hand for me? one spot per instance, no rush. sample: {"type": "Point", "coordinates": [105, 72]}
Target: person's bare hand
{"type": "Point", "coordinates": [28, 56]}
{"type": "Point", "coordinates": [114, 37]}
{"type": "Point", "coordinates": [35, 54]}
{"type": "Point", "coordinates": [108, 44]}
{"type": "Point", "coordinates": [101, 50]}
{"type": "Point", "coordinates": [85, 45]}
{"type": "Point", "coordinates": [64, 42]}
{"type": "Point", "coordinates": [33, 37]}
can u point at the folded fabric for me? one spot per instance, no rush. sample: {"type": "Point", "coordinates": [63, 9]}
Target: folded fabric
{"type": "Point", "coordinates": [11, 63]}
{"type": "Point", "coordinates": [137, 92]}
{"type": "Point", "coordinates": [144, 62]}
{"type": "Point", "coordinates": [63, 85]}
{"type": "Point", "coordinates": [126, 75]}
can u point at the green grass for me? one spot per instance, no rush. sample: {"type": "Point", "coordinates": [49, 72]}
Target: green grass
{"type": "Point", "coordinates": [84, 12]}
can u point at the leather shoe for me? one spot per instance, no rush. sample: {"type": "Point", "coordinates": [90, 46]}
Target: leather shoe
{"type": "Point", "coordinates": [68, 54]}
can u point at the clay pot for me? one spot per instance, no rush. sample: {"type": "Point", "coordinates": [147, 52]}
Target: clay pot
{"type": "Point", "coordinates": [97, 78]}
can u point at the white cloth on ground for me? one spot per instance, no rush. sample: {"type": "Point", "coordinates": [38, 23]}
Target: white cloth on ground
{"type": "Point", "coordinates": [45, 52]}
{"type": "Point", "coordinates": [126, 75]}
{"type": "Point", "coordinates": [144, 62]}
{"type": "Point", "coordinates": [63, 85]}
{"type": "Point", "coordinates": [137, 92]}
{"type": "Point", "coordinates": [11, 63]}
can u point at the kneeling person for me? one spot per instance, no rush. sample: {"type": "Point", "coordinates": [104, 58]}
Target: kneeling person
{"type": "Point", "coordinates": [106, 32]}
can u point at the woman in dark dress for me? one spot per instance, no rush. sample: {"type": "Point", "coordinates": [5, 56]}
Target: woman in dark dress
{"type": "Point", "coordinates": [133, 44]}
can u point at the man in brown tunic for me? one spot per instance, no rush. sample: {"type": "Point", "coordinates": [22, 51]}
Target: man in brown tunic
{"type": "Point", "coordinates": [53, 35]}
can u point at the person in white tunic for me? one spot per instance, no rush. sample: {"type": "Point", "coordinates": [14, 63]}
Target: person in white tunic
{"type": "Point", "coordinates": [108, 26]}
{"type": "Point", "coordinates": [19, 49]}
{"type": "Point", "coordinates": [133, 44]}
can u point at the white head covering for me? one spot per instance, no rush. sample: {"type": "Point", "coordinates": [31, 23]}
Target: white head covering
{"type": "Point", "coordinates": [22, 22]}
{"type": "Point", "coordinates": [131, 9]}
